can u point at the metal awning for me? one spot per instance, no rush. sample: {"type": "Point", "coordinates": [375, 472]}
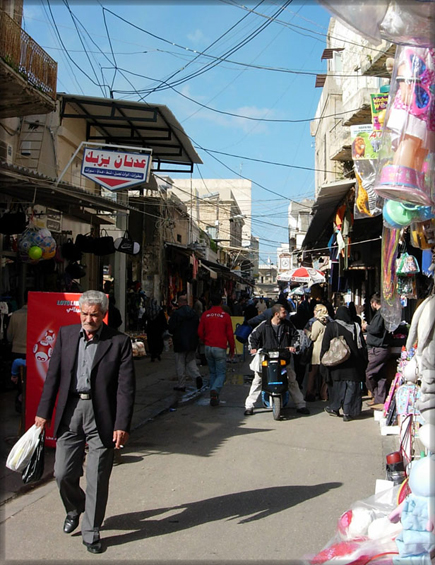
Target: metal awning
{"type": "Point", "coordinates": [328, 199]}
{"type": "Point", "coordinates": [328, 53]}
{"type": "Point", "coordinates": [28, 186]}
{"type": "Point", "coordinates": [213, 274]}
{"type": "Point", "coordinates": [137, 124]}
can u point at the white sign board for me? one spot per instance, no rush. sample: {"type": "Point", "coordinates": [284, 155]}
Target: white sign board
{"type": "Point", "coordinates": [116, 170]}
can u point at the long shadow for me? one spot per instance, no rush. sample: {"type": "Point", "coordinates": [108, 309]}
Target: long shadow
{"type": "Point", "coordinates": [242, 507]}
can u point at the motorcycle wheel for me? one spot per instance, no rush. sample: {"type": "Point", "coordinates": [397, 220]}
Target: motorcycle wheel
{"type": "Point", "coordinates": [276, 407]}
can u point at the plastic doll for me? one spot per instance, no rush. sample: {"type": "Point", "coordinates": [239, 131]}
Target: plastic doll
{"type": "Point", "coordinates": [411, 127]}
{"type": "Point", "coordinates": [417, 512]}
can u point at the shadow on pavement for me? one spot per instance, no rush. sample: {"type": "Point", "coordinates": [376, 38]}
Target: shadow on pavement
{"type": "Point", "coordinates": [244, 507]}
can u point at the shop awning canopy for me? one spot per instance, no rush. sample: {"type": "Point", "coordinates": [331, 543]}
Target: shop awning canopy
{"type": "Point", "coordinates": [328, 200]}
{"type": "Point", "coordinates": [135, 124]}
{"type": "Point", "coordinates": [30, 187]}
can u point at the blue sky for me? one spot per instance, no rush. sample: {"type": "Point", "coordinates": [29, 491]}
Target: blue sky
{"type": "Point", "coordinates": [164, 48]}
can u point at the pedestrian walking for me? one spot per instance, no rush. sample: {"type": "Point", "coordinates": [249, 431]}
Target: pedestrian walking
{"type": "Point", "coordinates": [316, 334]}
{"type": "Point", "coordinates": [91, 373]}
{"type": "Point", "coordinates": [183, 326]}
{"type": "Point", "coordinates": [216, 332]}
{"type": "Point", "coordinates": [275, 333]}
{"type": "Point", "coordinates": [345, 380]}
{"type": "Point", "coordinates": [156, 325]}
{"type": "Point", "coordinates": [379, 352]}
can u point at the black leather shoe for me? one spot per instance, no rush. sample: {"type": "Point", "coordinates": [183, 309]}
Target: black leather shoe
{"type": "Point", "coordinates": [303, 410]}
{"type": "Point", "coordinates": [71, 523]}
{"type": "Point", "coordinates": [249, 412]}
{"type": "Point", "coordinates": [347, 418]}
{"type": "Point", "coordinates": [95, 547]}
{"type": "Point", "coordinates": [332, 412]}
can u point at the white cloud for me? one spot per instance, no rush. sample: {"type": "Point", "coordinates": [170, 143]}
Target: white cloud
{"type": "Point", "coordinates": [197, 37]}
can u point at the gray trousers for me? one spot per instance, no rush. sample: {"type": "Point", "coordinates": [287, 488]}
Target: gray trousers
{"type": "Point", "coordinates": [376, 379]}
{"type": "Point", "coordinates": [185, 362]}
{"type": "Point", "coordinates": [77, 429]}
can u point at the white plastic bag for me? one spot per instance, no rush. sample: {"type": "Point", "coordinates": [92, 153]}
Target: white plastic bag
{"type": "Point", "coordinates": [255, 364]}
{"type": "Point", "coordinates": [23, 450]}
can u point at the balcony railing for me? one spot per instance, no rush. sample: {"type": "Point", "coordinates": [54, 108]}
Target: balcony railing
{"type": "Point", "coordinates": [26, 57]}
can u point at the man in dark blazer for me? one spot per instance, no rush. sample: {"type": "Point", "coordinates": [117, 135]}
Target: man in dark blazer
{"type": "Point", "coordinates": [91, 373]}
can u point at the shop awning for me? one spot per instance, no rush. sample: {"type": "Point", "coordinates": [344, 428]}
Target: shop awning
{"type": "Point", "coordinates": [29, 187]}
{"type": "Point", "coordinates": [328, 200]}
{"type": "Point", "coordinates": [137, 124]}
{"type": "Point", "coordinates": [213, 274]}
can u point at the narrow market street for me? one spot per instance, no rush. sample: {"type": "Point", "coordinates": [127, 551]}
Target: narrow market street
{"type": "Point", "coordinates": [203, 483]}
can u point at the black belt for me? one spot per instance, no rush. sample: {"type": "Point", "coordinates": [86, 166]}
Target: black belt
{"type": "Point", "coordinates": [82, 395]}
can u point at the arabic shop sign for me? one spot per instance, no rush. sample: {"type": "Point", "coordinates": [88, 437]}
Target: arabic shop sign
{"type": "Point", "coordinates": [116, 170]}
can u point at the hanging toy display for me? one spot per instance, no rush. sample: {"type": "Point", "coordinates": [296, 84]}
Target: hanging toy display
{"type": "Point", "coordinates": [406, 158]}
{"type": "Point", "coordinates": [36, 245]}
{"type": "Point", "coordinates": [390, 299]}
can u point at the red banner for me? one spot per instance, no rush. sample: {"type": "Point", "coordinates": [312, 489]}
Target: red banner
{"type": "Point", "coordinates": [46, 313]}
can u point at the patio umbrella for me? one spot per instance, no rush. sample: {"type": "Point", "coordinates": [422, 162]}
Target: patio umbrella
{"type": "Point", "coordinates": [303, 275]}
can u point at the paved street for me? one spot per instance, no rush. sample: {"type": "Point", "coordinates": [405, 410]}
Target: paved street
{"type": "Point", "coordinates": [203, 483]}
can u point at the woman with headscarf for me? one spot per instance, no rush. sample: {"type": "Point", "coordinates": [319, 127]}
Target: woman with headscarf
{"type": "Point", "coordinates": [156, 324]}
{"type": "Point", "coordinates": [344, 380]}
{"type": "Point", "coordinates": [321, 318]}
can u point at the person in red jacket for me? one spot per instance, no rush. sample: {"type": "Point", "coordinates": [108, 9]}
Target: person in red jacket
{"type": "Point", "coordinates": [215, 330]}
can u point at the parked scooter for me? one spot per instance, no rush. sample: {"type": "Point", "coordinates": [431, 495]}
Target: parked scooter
{"type": "Point", "coordinates": [274, 380]}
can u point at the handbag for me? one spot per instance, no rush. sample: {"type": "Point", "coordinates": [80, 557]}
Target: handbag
{"type": "Point", "coordinates": [242, 332]}
{"type": "Point", "coordinates": [35, 468]}
{"type": "Point", "coordinates": [14, 221]}
{"type": "Point", "coordinates": [126, 244]}
{"type": "Point", "coordinates": [86, 243]}
{"type": "Point", "coordinates": [22, 451]}
{"type": "Point", "coordinates": [70, 251]}
{"type": "Point", "coordinates": [337, 353]}
{"type": "Point", "coordinates": [75, 270]}
{"type": "Point", "coordinates": [104, 245]}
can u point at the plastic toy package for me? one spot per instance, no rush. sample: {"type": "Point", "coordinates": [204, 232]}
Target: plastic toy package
{"type": "Point", "coordinates": [406, 157]}
{"type": "Point", "coordinates": [405, 22]}
{"type": "Point", "coordinates": [364, 532]}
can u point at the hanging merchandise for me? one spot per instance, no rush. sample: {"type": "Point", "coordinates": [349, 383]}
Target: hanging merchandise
{"type": "Point", "coordinates": [423, 234]}
{"type": "Point", "coordinates": [365, 144]}
{"type": "Point", "coordinates": [126, 244]}
{"type": "Point", "coordinates": [402, 214]}
{"type": "Point", "coordinates": [390, 299]}
{"type": "Point", "coordinates": [407, 265]}
{"type": "Point", "coordinates": [13, 221]}
{"type": "Point", "coordinates": [86, 243]}
{"type": "Point", "coordinates": [75, 270]}
{"type": "Point", "coordinates": [405, 170]}
{"type": "Point", "coordinates": [70, 251]}
{"type": "Point", "coordinates": [104, 245]}
{"type": "Point", "coordinates": [36, 245]}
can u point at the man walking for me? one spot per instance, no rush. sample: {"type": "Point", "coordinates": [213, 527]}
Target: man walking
{"type": "Point", "coordinates": [91, 372]}
{"type": "Point", "coordinates": [275, 333]}
{"type": "Point", "coordinates": [378, 350]}
{"type": "Point", "coordinates": [183, 325]}
{"type": "Point", "coordinates": [216, 332]}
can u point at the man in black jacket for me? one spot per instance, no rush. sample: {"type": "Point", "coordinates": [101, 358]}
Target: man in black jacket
{"type": "Point", "coordinates": [275, 333]}
{"type": "Point", "coordinates": [183, 325]}
{"type": "Point", "coordinates": [91, 375]}
{"type": "Point", "coordinates": [378, 353]}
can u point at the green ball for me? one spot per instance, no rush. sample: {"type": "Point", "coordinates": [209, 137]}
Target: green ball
{"type": "Point", "coordinates": [35, 253]}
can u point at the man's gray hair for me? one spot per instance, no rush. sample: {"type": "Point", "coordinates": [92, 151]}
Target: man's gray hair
{"type": "Point", "coordinates": [95, 297]}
